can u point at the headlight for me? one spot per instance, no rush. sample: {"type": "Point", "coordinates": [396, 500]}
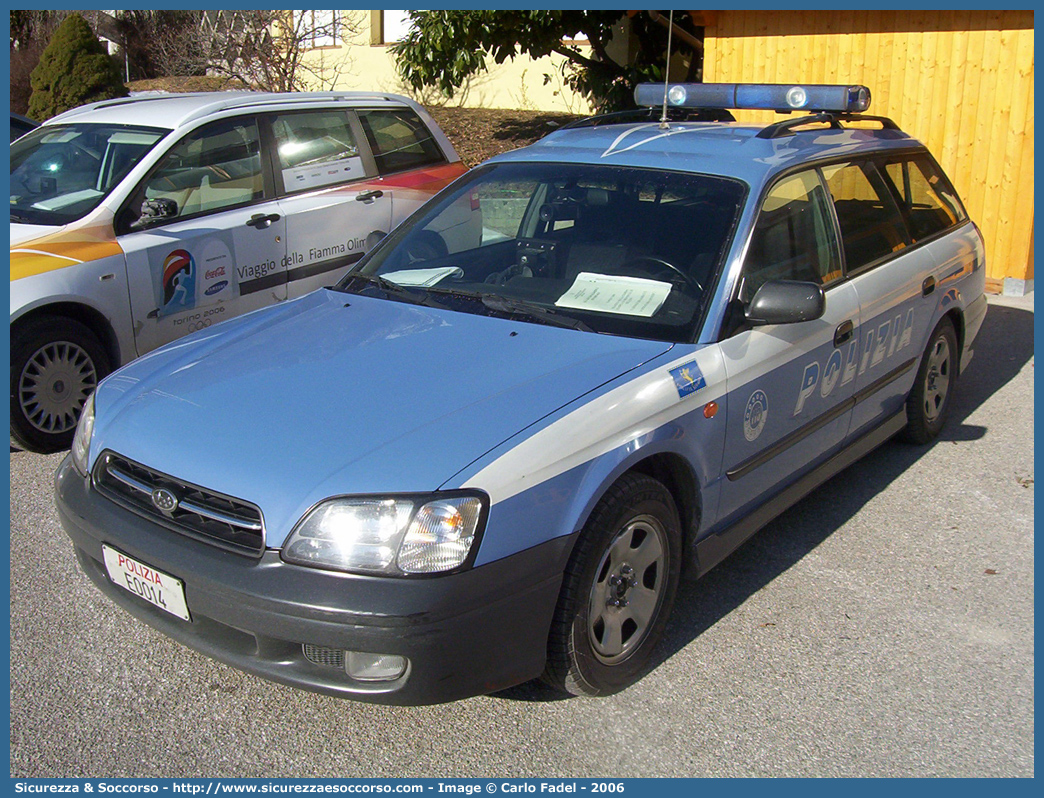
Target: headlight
{"type": "Point", "coordinates": [395, 535]}
{"type": "Point", "coordinates": [81, 445]}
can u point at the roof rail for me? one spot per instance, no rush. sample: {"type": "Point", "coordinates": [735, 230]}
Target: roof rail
{"type": "Point", "coordinates": [785, 128]}
{"type": "Point", "coordinates": [248, 99]}
{"type": "Point", "coordinates": [653, 114]}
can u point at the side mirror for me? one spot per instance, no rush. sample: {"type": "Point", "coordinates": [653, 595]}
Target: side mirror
{"type": "Point", "coordinates": [154, 210]}
{"type": "Point", "coordinates": [786, 302]}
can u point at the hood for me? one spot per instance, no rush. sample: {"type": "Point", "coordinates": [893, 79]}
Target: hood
{"type": "Point", "coordinates": [20, 233]}
{"type": "Point", "coordinates": [338, 394]}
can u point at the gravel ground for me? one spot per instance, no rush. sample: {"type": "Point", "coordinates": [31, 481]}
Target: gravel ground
{"type": "Point", "coordinates": [882, 627]}
{"type": "Point", "coordinates": [481, 133]}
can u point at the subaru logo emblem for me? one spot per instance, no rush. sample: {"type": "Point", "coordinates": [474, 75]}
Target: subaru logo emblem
{"type": "Point", "coordinates": [164, 500]}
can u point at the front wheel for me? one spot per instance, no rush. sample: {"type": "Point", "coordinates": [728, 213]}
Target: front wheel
{"type": "Point", "coordinates": [55, 365]}
{"type": "Point", "coordinates": [929, 401]}
{"type": "Point", "coordinates": [618, 590]}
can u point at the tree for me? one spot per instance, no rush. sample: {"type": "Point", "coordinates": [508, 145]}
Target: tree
{"type": "Point", "coordinates": [74, 69]}
{"type": "Point", "coordinates": [446, 48]}
{"type": "Point", "coordinates": [30, 33]}
{"type": "Point", "coordinates": [267, 50]}
{"type": "Point", "coordinates": [138, 32]}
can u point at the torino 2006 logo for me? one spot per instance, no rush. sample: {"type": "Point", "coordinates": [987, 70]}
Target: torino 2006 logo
{"type": "Point", "coordinates": [179, 281]}
{"type": "Point", "coordinates": [755, 416]}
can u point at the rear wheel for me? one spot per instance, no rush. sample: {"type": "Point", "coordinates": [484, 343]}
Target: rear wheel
{"type": "Point", "coordinates": [929, 401]}
{"type": "Point", "coordinates": [618, 590]}
{"type": "Point", "coordinates": [55, 365]}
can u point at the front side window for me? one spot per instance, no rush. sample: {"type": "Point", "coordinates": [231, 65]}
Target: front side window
{"type": "Point", "coordinates": [871, 227]}
{"type": "Point", "coordinates": [400, 140]}
{"type": "Point", "coordinates": [215, 168]}
{"type": "Point", "coordinates": [316, 149]}
{"type": "Point", "coordinates": [61, 172]}
{"type": "Point", "coordinates": [615, 250]}
{"type": "Point", "coordinates": [793, 237]}
{"type": "Point", "coordinates": [926, 199]}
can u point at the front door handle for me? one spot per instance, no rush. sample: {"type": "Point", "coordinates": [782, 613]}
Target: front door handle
{"type": "Point", "coordinates": [928, 285]}
{"type": "Point", "coordinates": [369, 196]}
{"type": "Point", "coordinates": [843, 333]}
{"type": "Point", "coordinates": [262, 220]}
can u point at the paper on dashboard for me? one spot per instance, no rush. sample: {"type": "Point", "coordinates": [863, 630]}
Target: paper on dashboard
{"type": "Point", "coordinates": [422, 277]}
{"type": "Point", "coordinates": [609, 293]}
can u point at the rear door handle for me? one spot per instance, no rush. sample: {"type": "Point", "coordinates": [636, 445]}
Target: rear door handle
{"type": "Point", "coordinates": [844, 332]}
{"type": "Point", "coordinates": [262, 220]}
{"type": "Point", "coordinates": [369, 196]}
{"type": "Point", "coordinates": [927, 286]}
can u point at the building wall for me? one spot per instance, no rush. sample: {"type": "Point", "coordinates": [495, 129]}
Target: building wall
{"type": "Point", "coordinates": [960, 81]}
{"type": "Point", "coordinates": [364, 63]}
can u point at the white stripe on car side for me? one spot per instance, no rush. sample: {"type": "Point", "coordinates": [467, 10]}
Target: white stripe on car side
{"type": "Point", "coordinates": [620, 417]}
{"type": "Point", "coordinates": [610, 421]}
{"type": "Point", "coordinates": [22, 251]}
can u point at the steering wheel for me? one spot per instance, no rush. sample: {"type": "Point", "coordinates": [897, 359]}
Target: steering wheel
{"type": "Point", "coordinates": [424, 245]}
{"type": "Point", "coordinates": [637, 261]}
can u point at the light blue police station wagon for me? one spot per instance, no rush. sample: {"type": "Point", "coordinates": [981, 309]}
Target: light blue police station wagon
{"type": "Point", "coordinates": [490, 452]}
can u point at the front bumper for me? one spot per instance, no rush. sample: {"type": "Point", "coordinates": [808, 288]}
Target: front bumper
{"type": "Point", "coordinates": [464, 634]}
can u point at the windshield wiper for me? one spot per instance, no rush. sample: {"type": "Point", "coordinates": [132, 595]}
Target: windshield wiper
{"type": "Point", "coordinates": [388, 288]}
{"type": "Point", "coordinates": [520, 308]}
{"type": "Point", "coordinates": [17, 217]}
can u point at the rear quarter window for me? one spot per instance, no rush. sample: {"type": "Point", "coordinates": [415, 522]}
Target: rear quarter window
{"type": "Point", "coordinates": [925, 197]}
{"type": "Point", "coordinates": [400, 140]}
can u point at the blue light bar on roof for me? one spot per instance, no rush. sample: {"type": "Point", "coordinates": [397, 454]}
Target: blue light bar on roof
{"type": "Point", "coordinates": [756, 96]}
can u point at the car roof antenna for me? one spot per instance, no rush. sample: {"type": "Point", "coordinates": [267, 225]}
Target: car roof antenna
{"type": "Point", "coordinates": [666, 72]}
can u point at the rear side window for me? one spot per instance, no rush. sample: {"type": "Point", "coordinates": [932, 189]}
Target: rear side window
{"type": "Point", "coordinates": [794, 236]}
{"type": "Point", "coordinates": [926, 199]}
{"type": "Point", "coordinates": [400, 140]}
{"type": "Point", "coordinates": [871, 226]}
{"type": "Point", "coordinates": [316, 149]}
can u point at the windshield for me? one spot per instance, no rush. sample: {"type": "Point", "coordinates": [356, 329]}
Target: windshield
{"type": "Point", "coordinates": [616, 250]}
{"type": "Point", "coordinates": [61, 172]}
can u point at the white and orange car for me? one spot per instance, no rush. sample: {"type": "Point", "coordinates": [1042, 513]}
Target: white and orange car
{"type": "Point", "coordinates": [136, 221]}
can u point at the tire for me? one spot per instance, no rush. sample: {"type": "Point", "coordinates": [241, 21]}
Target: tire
{"type": "Point", "coordinates": [929, 401]}
{"type": "Point", "coordinates": [55, 365]}
{"type": "Point", "coordinates": [617, 591]}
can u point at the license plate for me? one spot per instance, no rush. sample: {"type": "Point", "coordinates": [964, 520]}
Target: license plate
{"type": "Point", "coordinates": [159, 589]}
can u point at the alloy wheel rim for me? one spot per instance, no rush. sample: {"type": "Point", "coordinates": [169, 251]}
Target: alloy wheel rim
{"type": "Point", "coordinates": [937, 380]}
{"type": "Point", "coordinates": [54, 386]}
{"type": "Point", "coordinates": [628, 589]}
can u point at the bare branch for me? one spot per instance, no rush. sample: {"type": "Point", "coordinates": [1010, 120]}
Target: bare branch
{"type": "Point", "coordinates": [268, 50]}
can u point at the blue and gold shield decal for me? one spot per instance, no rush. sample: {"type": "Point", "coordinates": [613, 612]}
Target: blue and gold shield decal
{"type": "Point", "coordinates": [688, 378]}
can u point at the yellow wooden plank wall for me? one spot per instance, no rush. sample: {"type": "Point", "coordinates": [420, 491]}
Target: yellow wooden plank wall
{"type": "Point", "coordinates": [960, 81]}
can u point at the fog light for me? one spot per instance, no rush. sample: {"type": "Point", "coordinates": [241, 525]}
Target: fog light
{"type": "Point", "coordinates": [374, 667]}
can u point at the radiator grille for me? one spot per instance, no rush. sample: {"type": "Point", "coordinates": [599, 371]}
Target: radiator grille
{"type": "Point", "coordinates": [215, 518]}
